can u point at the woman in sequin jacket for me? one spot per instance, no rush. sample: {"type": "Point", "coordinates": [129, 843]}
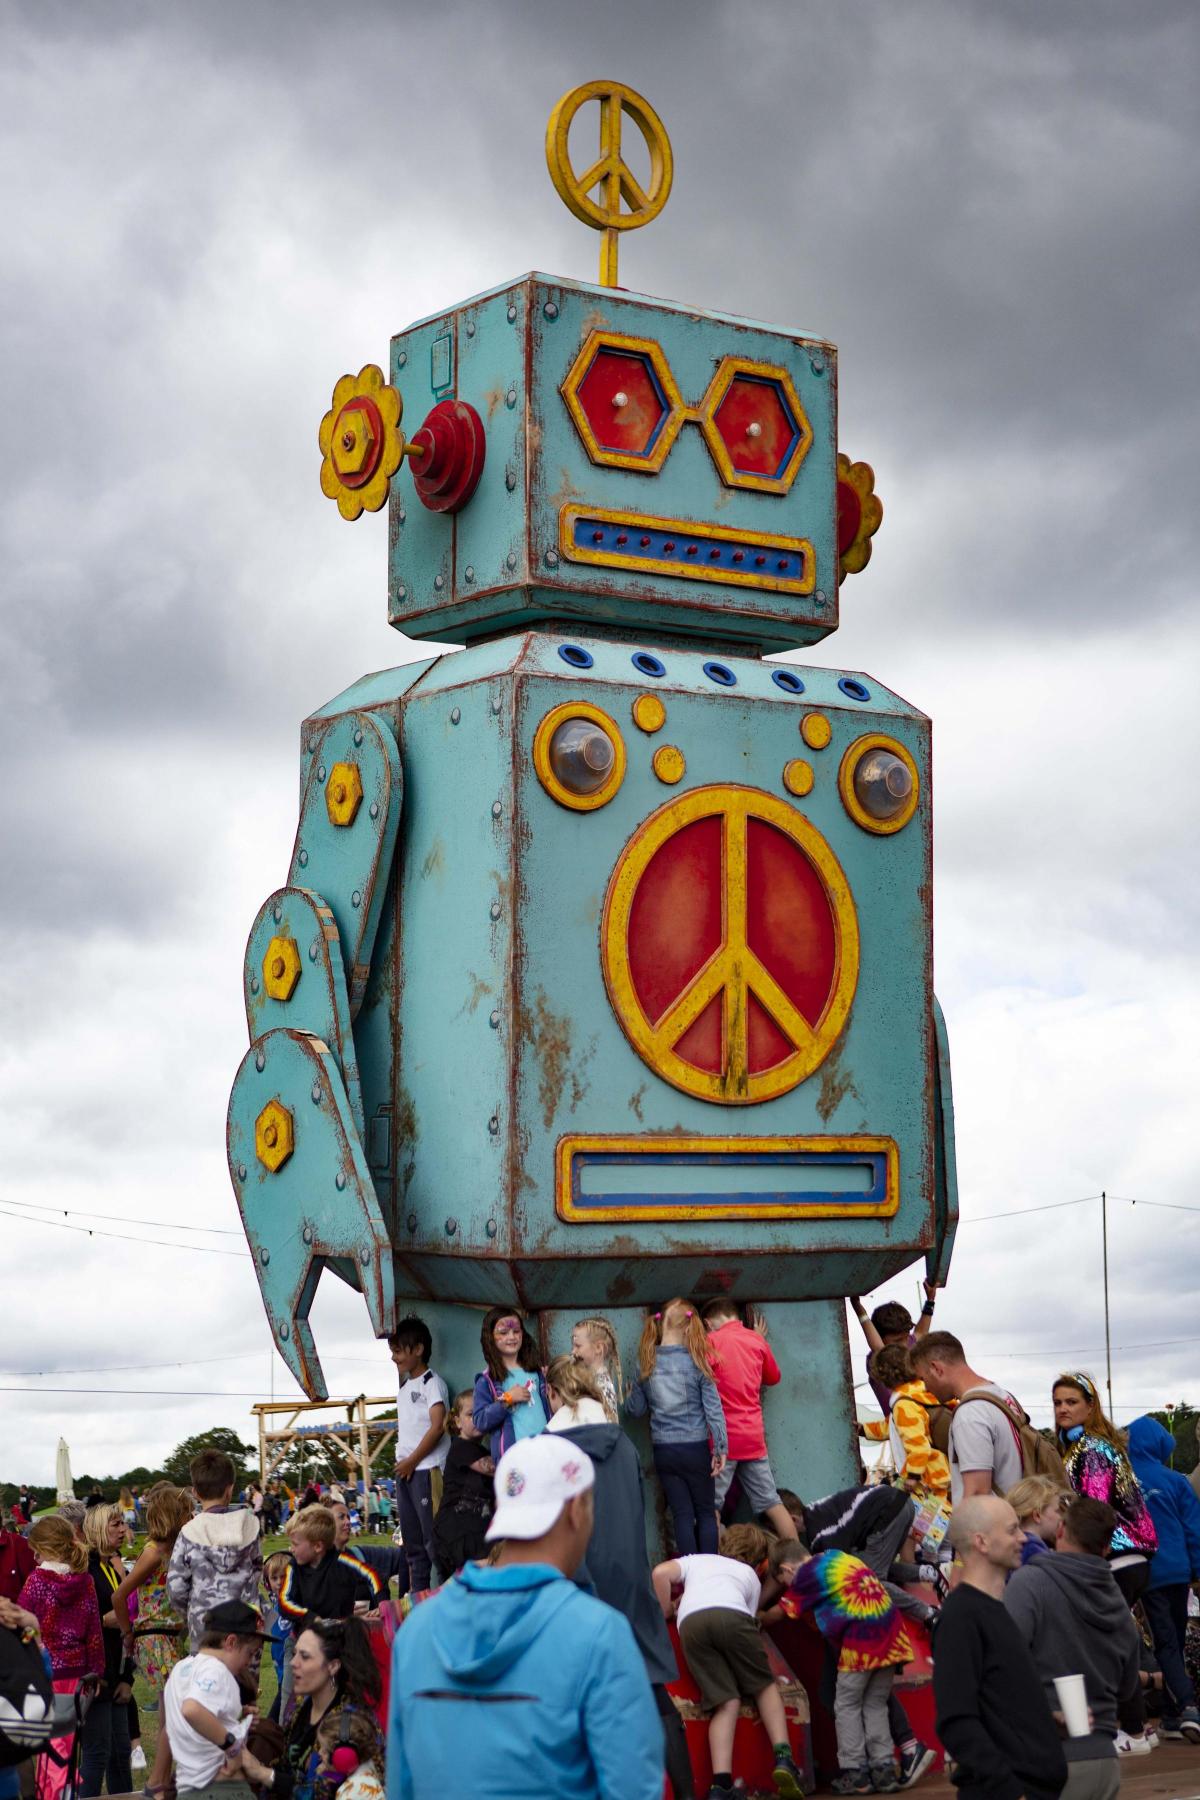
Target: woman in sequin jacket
{"type": "Point", "coordinates": [1093, 1453]}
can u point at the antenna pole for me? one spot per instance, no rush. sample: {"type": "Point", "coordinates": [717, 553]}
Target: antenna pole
{"type": "Point", "coordinates": [1107, 1332]}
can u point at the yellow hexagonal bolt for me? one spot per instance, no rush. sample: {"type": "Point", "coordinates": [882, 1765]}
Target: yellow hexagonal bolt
{"type": "Point", "coordinates": [281, 968]}
{"type": "Point", "coordinates": [274, 1135]}
{"type": "Point", "coordinates": [353, 440]}
{"type": "Point", "coordinates": [343, 793]}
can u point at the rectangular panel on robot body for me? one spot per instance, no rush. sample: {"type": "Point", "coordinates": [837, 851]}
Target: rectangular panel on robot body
{"type": "Point", "coordinates": [540, 1149]}
{"type": "Point", "coordinates": [648, 467]}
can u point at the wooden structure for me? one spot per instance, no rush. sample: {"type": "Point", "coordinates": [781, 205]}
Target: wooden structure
{"type": "Point", "coordinates": [360, 1439]}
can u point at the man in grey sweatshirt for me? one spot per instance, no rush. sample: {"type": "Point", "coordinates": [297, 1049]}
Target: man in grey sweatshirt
{"type": "Point", "coordinates": [1075, 1621]}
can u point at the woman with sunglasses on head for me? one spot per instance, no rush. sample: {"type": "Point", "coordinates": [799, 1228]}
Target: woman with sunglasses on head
{"type": "Point", "coordinates": [1096, 1462]}
{"type": "Point", "coordinates": [332, 1667]}
{"type": "Point", "coordinates": [510, 1399]}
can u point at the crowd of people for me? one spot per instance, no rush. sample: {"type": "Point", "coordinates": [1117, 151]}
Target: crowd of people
{"type": "Point", "coordinates": [1049, 1578]}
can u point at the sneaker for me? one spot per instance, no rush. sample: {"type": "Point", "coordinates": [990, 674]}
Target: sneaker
{"type": "Point", "coordinates": [883, 1778]}
{"type": "Point", "coordinates": [786, 1777]}
{"type": "Point", "coordinates": [138, 1759]}
{"type": "Point", "coordinates": [853, 1781]}
{"type": "Point", "coordinates": [1187, 1725]}
{"type": "Point", "coordinates": [914, 1763]}
{"type": "Point", "coordinates": [1132, 1746]}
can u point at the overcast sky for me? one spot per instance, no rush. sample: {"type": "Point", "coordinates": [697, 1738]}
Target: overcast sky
{"type": "Point", "coordinates": [212, 211]}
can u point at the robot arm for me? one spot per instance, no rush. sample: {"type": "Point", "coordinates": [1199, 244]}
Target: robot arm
{"type": "Point", "coordinates": [295, 1125]}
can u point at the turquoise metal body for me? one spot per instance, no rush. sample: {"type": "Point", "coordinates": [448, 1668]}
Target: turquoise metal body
{"type": "Point", "coordinates": [496, 1136]}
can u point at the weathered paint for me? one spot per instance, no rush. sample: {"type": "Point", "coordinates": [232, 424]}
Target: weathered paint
{"type": "Point", "coordinates": [486, 1103]}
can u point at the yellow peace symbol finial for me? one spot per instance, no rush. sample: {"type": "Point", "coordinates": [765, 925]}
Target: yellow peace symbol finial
{"type": "Point", "coordinates": [610, 172]}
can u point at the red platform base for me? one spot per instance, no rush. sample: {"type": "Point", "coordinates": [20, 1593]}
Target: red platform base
{"type": "Point", "coordinates": [752, 1755]}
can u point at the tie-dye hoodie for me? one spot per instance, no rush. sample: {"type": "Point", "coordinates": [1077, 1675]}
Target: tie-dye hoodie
{"type": "Point", "coordinates": [853, 1611]}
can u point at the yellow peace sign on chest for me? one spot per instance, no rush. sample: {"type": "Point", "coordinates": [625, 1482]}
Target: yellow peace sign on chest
{"type": "Point", "coordinates": [624, 204]}
{"type": "Point", "coordinates": [730, 945]}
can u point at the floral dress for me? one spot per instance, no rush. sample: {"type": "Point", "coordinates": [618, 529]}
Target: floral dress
{"type": "Point", "coordinates": [158, 1631]}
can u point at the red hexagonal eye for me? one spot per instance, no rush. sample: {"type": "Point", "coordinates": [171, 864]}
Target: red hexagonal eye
{"type": "Point", "coordinates": [757, 426]}
{"type": "Point", "coordinates": [623, 402]}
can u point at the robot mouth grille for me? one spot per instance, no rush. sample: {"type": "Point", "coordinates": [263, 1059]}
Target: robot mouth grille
{"type": "Point", "coordinates": [624, 540]}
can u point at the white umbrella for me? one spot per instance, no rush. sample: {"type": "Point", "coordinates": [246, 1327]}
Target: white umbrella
{"type": "Point", "coordinates": [62, 1472]}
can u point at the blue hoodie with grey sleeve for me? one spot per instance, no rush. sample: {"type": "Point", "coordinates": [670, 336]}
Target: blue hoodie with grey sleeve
{"type": "Point", "coordinates": [537, 1686]}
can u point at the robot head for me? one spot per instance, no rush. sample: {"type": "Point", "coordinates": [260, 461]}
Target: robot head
{"type": "Point", "coordinates": [647, 466]}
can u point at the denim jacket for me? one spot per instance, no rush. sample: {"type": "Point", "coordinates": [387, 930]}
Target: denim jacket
{"type": "Point", "coordinates": [683, 1404]}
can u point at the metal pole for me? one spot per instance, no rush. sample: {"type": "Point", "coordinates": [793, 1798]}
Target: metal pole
{"type": "Point", "coordinates": [1107, 1333]}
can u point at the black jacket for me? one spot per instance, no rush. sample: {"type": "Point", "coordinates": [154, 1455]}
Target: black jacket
{"type": "Point", "coordinates": [617, 1566]}
{"type": "Point", "coordinates": [1076, 1621]}
{"type": "Point", "coordinates": [844, 1521]}
{"type": "Point", "coordinates": [117, 1666]}
{"type": "Point", "coordinates": [991, 1714]}
{"type": "Point", "coordinates": [329, 1587]}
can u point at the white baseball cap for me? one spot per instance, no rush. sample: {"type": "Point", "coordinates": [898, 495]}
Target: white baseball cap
{"type": "Point", "coordinates": [534, 1480]}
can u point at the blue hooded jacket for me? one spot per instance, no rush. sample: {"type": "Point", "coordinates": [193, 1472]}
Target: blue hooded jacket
{"type": "Point", "coordinates": [1172, 1502]}
{"type": "Point", "coordinates": [514, 1681]}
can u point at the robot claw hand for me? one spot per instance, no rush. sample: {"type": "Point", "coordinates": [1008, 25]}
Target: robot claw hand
{"type": "Point", "coordinates": [304, 1192]}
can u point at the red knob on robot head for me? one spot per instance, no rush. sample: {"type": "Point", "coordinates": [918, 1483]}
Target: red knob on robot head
{"type": "Point", "coordinates": [447, 456]}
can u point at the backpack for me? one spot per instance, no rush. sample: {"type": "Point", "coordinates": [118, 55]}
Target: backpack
{"type": "Point", "coordinates": [1038, 1456]}
{"type": "Point", "coordinates": [940, 1419]}
{"type": "Point", "coordinates": [26, 1700]}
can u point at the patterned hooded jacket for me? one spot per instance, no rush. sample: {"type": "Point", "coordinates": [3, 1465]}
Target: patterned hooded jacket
{"type": "Point", "coordinates": [217, 1556]}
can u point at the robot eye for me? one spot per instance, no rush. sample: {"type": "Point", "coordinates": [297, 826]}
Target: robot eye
{"type": "Point", "coordinates": [879, 784]}
{"type": "Point", "coordinates": [579, 756]}
{"type": "Point", "coordinates": [582, 755]}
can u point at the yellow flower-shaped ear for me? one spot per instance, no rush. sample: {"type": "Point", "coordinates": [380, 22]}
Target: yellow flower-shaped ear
{"type": "Point", "coordinates": [361, 442]}
{"type": "Point", "coordinates": [859, 515]}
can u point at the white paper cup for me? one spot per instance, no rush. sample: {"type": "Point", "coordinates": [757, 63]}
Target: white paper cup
{"type": "Point", "coordinates": [1072, 1703]}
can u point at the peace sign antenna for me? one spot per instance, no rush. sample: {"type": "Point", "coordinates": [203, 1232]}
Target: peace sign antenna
{"type": "Point", "coordinates": [610, 174]}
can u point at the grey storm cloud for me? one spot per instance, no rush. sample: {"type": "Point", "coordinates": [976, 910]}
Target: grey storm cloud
{"type": "Point", "coordinates": [214, 209]}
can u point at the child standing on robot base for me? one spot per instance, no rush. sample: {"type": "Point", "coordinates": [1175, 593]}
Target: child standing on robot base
{"type": "Point", "coordinates": [421, 1446]}
{"type": "Point", "coordinates": [675, 1386]}
{"type": "Point", "coordinates": [510, 1400]}
{"type": "Point", "coordinates": [466, 1509]}
{"type": "Point", "coordinates": [857, 1618]}
{"type": "Point", "coordinates": [742, 1366]}
{"type": "Point", "coordinates": [594, 1342]}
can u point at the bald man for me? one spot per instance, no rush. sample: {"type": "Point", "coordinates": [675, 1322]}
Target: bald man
{"type": "Point", "coordinates": [992, 1714]}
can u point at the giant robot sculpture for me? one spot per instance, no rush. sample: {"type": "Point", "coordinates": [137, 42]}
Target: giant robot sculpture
{"type": "Point", "coordinates": [603, 970]}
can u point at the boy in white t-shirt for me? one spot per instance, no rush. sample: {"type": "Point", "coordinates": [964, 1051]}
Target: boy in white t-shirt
{"type": "Point", "coordinates": [203, 1698]}
{"type": "Point", "coordinates": [718, 1628]}
{"type": "Point", "coordinates": [421, 1446]}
